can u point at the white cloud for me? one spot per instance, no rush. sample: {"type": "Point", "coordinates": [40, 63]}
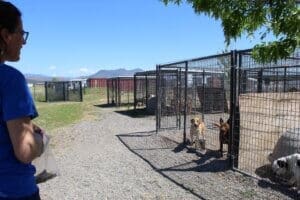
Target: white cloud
{"type": "Point", "coordinates": [80, 71]}
{"type": "Point", "coordinates": [84, 70]}
{"type": "Point", "coordinates": [52, 67]}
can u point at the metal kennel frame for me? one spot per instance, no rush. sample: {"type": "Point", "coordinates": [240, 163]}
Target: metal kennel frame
{"type": "Point", "coordinates": [195, 87]}
{"type": "Point", "coordinates": [268, 98]}
{"type": "Point", "coordinates": [144, 88]}
{"type": "Point", "coordinates": [262, 101]}
{"type": "Point", "coordinates": [63, 91]}
{"type": "Point", "coordinates": [120, 91]}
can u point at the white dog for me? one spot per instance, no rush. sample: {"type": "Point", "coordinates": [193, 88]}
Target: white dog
{"type": "Point", "coordinates": [288, 166]}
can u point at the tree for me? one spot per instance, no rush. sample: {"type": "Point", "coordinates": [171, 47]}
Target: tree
{"type": "Point", "coordinates": [280, 18]}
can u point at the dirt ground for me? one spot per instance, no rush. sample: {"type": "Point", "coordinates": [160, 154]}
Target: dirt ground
{"type": "Point", "coordinates": [120, 156]}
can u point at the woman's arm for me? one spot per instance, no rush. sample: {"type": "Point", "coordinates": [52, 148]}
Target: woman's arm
{"type": "Point", "coordinates": [27, 143]}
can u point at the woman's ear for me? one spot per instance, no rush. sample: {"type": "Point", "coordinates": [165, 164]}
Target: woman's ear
{"type": "Point", "coordinates": [5, 35]}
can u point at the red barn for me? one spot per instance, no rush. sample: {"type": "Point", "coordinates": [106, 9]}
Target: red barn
{"type": "Point", "coordinates": [97, 82]}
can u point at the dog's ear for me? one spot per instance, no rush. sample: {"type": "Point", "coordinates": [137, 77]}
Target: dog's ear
{"type": "Point", "coordinates": [282, 164]}
{"type": "Point", "coordinates": [298, 163]}
{"type": "Point", "coordinates": [221, 120]}
{"type": "Point", "coordinates": [192, 120]}
{"type": "Point", "coordinates": [229, 120]}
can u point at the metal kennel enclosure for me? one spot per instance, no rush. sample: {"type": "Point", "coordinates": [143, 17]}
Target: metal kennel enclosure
{"type": "Point", "coordinates": [262, 101]}
{"type": "Point", "coordinates": [144, 90]}
{"type": "Point", "coordinates": [195, 87]}
{"type": "Point", "coordinates": [63, 91]}
{"type": "Point", "coordinates": [120, 91]}
{"type": "Point", "coordinates": [268, 98]}
{"type": "Point", "coordinates": [38, 92]}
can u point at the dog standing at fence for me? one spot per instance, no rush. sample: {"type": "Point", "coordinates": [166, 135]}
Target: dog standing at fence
{"type": "Point", "coordinates": [288, 167]}
{"type": "Point", "coordinates": [224, 129]}
{"type": "Point", "coordinates": [197, 129]}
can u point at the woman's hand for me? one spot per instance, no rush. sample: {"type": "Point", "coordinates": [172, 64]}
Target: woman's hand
{"type": "Point", "coordinates": [37, 129]}
{"type": "Point", "coordinates": [27, 139]}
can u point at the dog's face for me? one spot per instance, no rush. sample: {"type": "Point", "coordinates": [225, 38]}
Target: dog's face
{"type": "Point", "coordinates": [224, 127]}
{"type": "Point", "coordinates": [195, 122]}
{"type": "Point", "coordinates": [280, 166]}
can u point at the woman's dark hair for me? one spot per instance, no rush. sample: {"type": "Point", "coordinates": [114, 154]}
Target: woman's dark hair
{"type": "Point", "coordinates": [9, 16]}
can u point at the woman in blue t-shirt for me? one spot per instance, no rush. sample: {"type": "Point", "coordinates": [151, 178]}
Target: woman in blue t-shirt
{"type": "Point", "coordinates": [21, 141]}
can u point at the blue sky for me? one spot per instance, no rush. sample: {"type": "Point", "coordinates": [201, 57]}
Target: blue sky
{"type": "Point", "coordinates": [72, 38]}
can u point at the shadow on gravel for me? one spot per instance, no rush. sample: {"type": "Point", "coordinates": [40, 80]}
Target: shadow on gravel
{"type": "Point", "coordinates": [138, 113]}
{"type": "Point", "coordinates": [162, 154]}
{"type": "Point", "coordinates": [200, 174]}
{"type": "Point", "coordinates": [105, 105]}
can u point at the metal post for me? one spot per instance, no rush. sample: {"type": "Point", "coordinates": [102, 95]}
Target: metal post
{"type": "Point", "coordinates": [284, 80]}
{"type": "Point", "coordinates": [134, 91]}
{"type": "Point", "coordinates": [119, 91]}
{"type": "Point", "coordinates": [64, 89]}
{"type": "Point", "coordinates": [46, 91]}
{"type": "Point", "coordinates": [234, 137]}
{"type": "Point", "coordinates": [232, 104]}
{"type": "Point", "coordinates": [185, 101]}
{"type": "Point", "coordinates": [147, 92]}
{"type": "Point", "coordinates": [204, 105]}
{"type": "Point", "coordinates": [259, 81]}
{"type": "Point", "coordinates": [107, 90]}
{"type": "Point", "coordinates": [158, 97]}
{"type": "Point", "coordinates": [80, 89]}
{"type": "Point", "coordinates": [178, 100]}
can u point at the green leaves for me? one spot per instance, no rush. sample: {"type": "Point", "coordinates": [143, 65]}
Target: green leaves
{"type": "Point", "coordinates": [276, 17]}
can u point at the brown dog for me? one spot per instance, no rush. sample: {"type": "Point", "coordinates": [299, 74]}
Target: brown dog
{"type": "Point", "coordinates": [224, 128]}
{"type": "Point", "coordinates": [197, 129]}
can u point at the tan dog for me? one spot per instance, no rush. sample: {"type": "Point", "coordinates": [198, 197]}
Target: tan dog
{"type": "Point", "coordinates": [197, 129]}
{"type": "Point", "coordinates": [224, 128]}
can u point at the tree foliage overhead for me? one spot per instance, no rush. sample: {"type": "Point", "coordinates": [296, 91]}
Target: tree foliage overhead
{"type": "Point", "coordinates": [280, 18]}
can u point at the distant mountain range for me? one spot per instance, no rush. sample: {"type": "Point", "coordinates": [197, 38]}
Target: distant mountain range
{"type": "Point", "coordinates": [35, 78]}
{"type": "Point", "coordinates": [115, 73]}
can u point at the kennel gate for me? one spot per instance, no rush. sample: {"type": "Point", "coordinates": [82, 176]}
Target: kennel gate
{"type": "Point", "coordinates": [196, 87]}
{"type": "Point", "coordinates": [168, 92]}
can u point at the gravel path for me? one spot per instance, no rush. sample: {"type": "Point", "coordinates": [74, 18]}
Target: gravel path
{"type": "Point", "coordinates": [120, 157]}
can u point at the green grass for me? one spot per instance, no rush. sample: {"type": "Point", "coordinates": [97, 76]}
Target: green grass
{"type": "Point", "coordinates": [58, 114]}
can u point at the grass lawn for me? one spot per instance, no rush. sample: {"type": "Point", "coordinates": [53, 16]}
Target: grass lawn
{"type": "Point", "coordinates": [58, 114]}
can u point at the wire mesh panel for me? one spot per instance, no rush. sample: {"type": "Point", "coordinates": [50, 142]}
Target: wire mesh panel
{"type": "Point", "coordinates": [269, 105]}
{"type": "Point", "coordinates": [111, 91]}
{"type": "Point", "coordinates": [145, 91]}
{"type": "Point", "coordinates": [197, 87]}
{"type": "Point", "coordinates": [120, 91]}
{"type": "Point", "coordinates": [63, 91]}
{"type": "Point", "coordinates": [211, 84]}
{"type": "Point", "coordinates": [260, 102]}
{"type": "Point", "coordinates": [169, 97]}
{"type": "Point", "coordinates": [74, 91]}
{"type": "Point", "coordinates": [38, 92]}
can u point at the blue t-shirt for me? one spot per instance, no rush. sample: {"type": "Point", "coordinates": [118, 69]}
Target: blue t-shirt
{"type": "Point", "coordinates": [16, 178]}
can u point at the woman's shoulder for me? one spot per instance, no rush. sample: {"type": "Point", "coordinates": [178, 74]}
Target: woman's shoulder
{"type": "Point", "coordinates": [9, 72]}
